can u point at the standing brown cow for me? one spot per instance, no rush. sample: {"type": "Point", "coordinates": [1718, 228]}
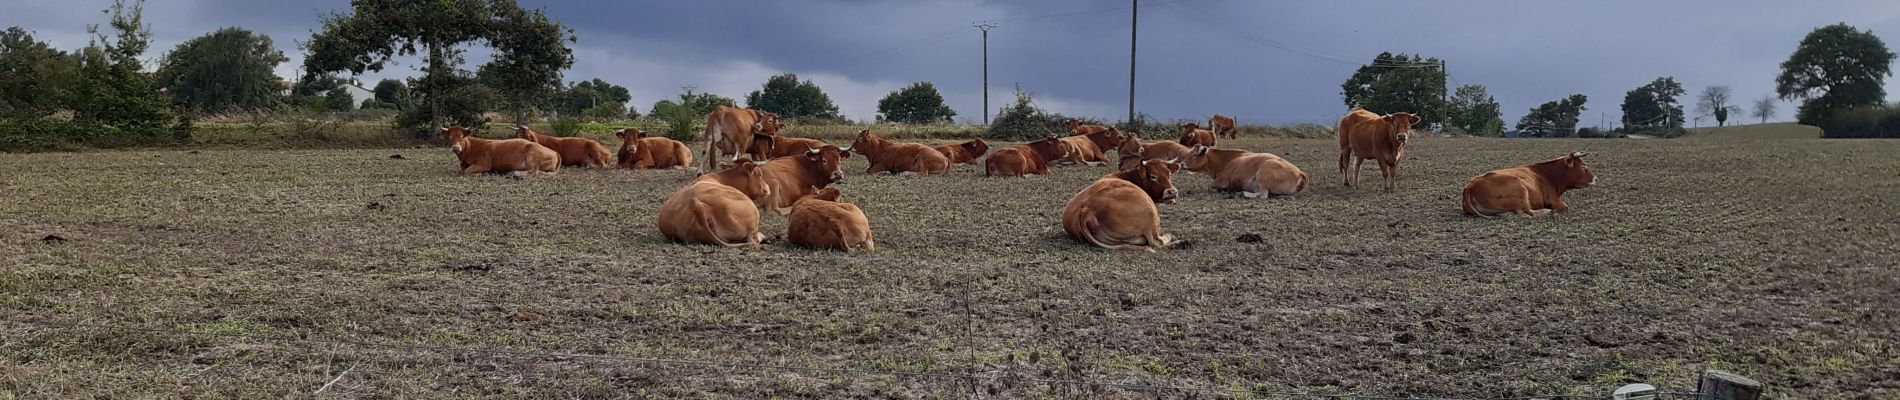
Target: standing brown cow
{"type": "Point", "coordinates": [1118, 211]}
{"type": "Point", "coordinates": [575, 152]}
{"type": "Point", "coordinates": [965, 153]}
{"type": "Point", "coordinates": [821, 221]}
{"type": "Point", "coordinates": [637, 151]}
{"type": "Point", "coordinates": [1368, 136]}
{"type": "Point", "coordinates": [792, 177]}
{"type": "Point", "coordinates": [1026, 160]}
{"type": "Point", "coordinates": [479, 155]}
{"type": "Point", "coordinates": [1530, 190]}
{"type": "Point", "coordinates": [1252, 175]}
{"type": "Point", "coordinates": [1077, 128]}
{"type": "Point", "coordinates": [1223, 126]}
{"type": "Point", "coordinates": [720, 208]}
{"type": "Point", "coordinates": [1192, 135]}
{"type": "Point", "coordinates": [898, 157]}
{"type": "Point", "coordinates": [730, 130]}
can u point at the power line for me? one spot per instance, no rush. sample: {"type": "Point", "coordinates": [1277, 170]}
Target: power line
{"type": "Point", "coordinates": [1181, 11]}
{"type": "Point", "coordinates": [1076, 13]}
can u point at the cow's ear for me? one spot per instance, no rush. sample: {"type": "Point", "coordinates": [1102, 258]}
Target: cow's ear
{"type": "Point", "coordinates": [1387, 118]}
{"type": "Point", "coordinates": [1415, 119]}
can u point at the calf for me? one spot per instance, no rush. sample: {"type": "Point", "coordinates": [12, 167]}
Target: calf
{"type": "Point", "coordinates": [637, 151]}
{"type": "Point", "coordinates": [965, 153]}
{"type": "Point", "coordinates": [719, 208]}
{"type": "Point", "coordinates": [1092, 148]}
{"type": "Point", "coordinates": [1077, 128]}
{"type": "Point", "coordinates": [1118, 211]}
{"type": "Point", "coordinates": [1368, 136]}
{"type": "Point", "coordinates": [1223, 126]}
{"type": "Point", "coordinates": [1530, 190]}
{"type": "Point", "coordinates": [575, 152]}
{"type": "Point", "coordinates": [1193, 135]}
{"type": "Point", "coordinates": [1133, 152]}
{"type": "Point", "coordinates": [730, 130]}
{"type": "Point", "coordinates": [1253, 175]}
{"type": "Point", "coordinates": [794, 177]}
{"type": "Point", "coordinates": [820, 221]}
{"type": "Point", "coordinates": [897, 157]}
{"type": "Point", "coordinates": [501, 156]}
{"type": "Point", "coordinates": [1026, 160]}
{"type": "Point", "coordinates": [766, 147]}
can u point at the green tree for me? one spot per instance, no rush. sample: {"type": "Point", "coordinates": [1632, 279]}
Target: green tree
{"type": "Point", "coordinates": [1395, 83]}
{"type": "Point", "coordinates": [1835, 68]}
{"type": "Point", "coordinates": [1718, 102]}
{"type": "Point", "coordinates": [113, 97]}
{"type": "Point", "coordinates": [1473, 110]}
{"type": "Point", "coordinates": [605, 111]}
{"type": "Point", "coordinates": [230, 68]}
{"type": "Point", "coordinates": [1653, 105]}
{"type": "Point", "coordinates": [786, 96]}
{"type": "Point", "coordinates": [1554, 119]}
{"type": "Point", "coordinates": [338, 99]}
{"type": "Point", "coordinates": [918, 103]}
{"type": "Point", "coordinates": [588, 94]}
{"type": "Point", "coordinates": [1022, 120]}
{"type": "Point", "coordinates": [530, 49]}
{"type": "Point", "coordinates": [391, 91]}
{"type": "Point", "coordinates": [697, 104]}
{"type": "Point", "coordinates": [35, 78]}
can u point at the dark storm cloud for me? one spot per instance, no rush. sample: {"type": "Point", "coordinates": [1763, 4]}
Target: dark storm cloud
{"type": "Point", "coordinates": [1264, 61]}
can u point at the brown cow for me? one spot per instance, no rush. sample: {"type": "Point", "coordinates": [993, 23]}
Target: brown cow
{"type": "Point", "coordinates": [820, 221]}
{"type": "Point", "coordinates": [1133, 151]}
{"type": "Point", "coordinates": [575, 152]}
{"type": "Point", "coordinates": [1076, 128]}
{"type": "Point", "coordinates": [899, 157]}
{"type": "Point", "coordinates": [1366, 135]}
{"type": "Point", "coordinates": [965, 153]}
{"type": "Point", "coordinates": [730, 130]}
{"type": "Point", "coordinates": [1026, 160]}
{"type": "Point", "coordinates": [766, 147]}
{"type": "Point", "coordinates": [720, 208]}
{"type": "Point", "coordinates": [1530, 190]}
{"type": "Point", "coordinates": [1223, 126]}
{"type": "Point", "coordinates": [638, 151]}
{"type": "Point", "coordinates": [792, 177]}
{"type": "Point", "coordinates": [1193, 135]}
{"type": "Point", "coordinates": [479, 155]}
{"type": "Point", "coordinates": [1092, 148]}
{"type": "Point", "coordinates": [1252, 175]}
{"type": "Point", "coordinates": [1118, 211]}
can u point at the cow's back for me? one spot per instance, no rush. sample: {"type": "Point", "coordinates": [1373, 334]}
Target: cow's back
{"type": "Point", "coordinates": [1117, 206]}
{"type": "Point", "coordinates": [728, 209]}
{"type": "Point", "coordinates": [1012, 161]}
{"type": "Point", "coordinates": [1269, 173]}
{"type": "Point", "coordinates": [1359, 131]}
{"type": "Point", "coordinates": [828, 224]}
{"type": "Point", "coordinates": [1164, 150]}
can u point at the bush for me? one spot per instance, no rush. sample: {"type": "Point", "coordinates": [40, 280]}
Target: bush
{"type": "Point", "coordinates": [567, 125]}
{"type": "Point", "coordinates": [1862, 122]}
{"type": "Point", "coordinates": [680, 122]}
{"type": "Point", "coordinates": [1023, 121]}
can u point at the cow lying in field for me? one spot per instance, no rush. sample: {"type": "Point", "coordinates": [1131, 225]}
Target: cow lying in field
{"type": "Point", "coordinates": [820, 221]}
{"type": "Point", "coordinates": [1092, 148]}
{"type": "Point", "coordinates": [1530, 190]}
{"type": "Point", "coordinates": [719, 208]}
{"type": "Point", "coordinates": [766, 147]}
{"type": "Point", "coordinates": [1077, 128]}
{"type": "Point", "coordinates": [637, 151]}
{"type": "Point", "coordinates": [1192, 135]}
{"type": "Point", "coordinates": [797, 176]}
{"type": "Point", "coordinates": [479, 155]}
{"type": "Point", "coordinates": [1252, 175]}
{"type": "Point", "coordinates": [730, 130]}
{"type": "Point", "coordinates": [1026, 160]}
{"type": "Point", "coordinates": [898, 157]}
{"type": "Point", "coordinates": [1133, 151]}
{"type": "Point", "coordinates": [965, 153]}
{"type": "Point", "coordinates": [1369, 136]}
{"type": "Point", "coordinates": [575, 152]}
{"type": "Point", "coordinates": [1118, 211]}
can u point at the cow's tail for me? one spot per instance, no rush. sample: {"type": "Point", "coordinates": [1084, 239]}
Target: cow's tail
{"type": "Point", "coordinates": [1090, 225]}
{"type": "Point", "coordinates": [1303, 181]}
{"type": "Point", "coordinates": [712, 144]}
{"type": "Point", "coordinates": [1470, 204]}
{"type": "Point", "coordinates": [705, 217]}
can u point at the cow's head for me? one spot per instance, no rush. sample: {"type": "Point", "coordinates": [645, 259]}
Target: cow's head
{"type": "Point", "coordinates": [1051, 148]}
{"type": "Point", "coordinates": [1200, 158]}
{"type": "Point", "coordinates": [825, 159]}
{"type": "Point", "coordinates": [1153, 176]}
{"type": "Point", "coordinates": [826, 194]}
{"type": "Point", "coordinates": [522, 131]}
{"type": "Point", "coordinates": [457, 137]}
{"type": "Point", "coordinates": [1072, 124]}
{"type": "Point", "coordinates": [1401, 123]}
{"type": "Point", "coordinates": [1109, 139]}
{"type": "Point", "coordinates": [1131, 144]}
{"type": "Point", "coordinates": [1576, 172]}
{"type": "Point", "coordinates": [630, 139]}
{"type": "Point", "coordinates": [865, 142]}
{"type": "Point", "coordinates": [766, 123]}
{"type": "Point", "coordinates": [976, 148]}
{"type": "Point", "coordinates": [745, 175]}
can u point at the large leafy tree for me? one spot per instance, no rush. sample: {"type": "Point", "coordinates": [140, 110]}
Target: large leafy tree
{"type": "Point", "coordinates": [1395, 83]}
{"type": "Point", "coordinates": [34, 77]}
{"type": "Point", "coordinates": [691, 103]}
{"type": "Point", "coordinates": [530, 49]}
{"type": "Point", "coordinates": [1835, 68]}
{"type": "Point", "coordinates": [590, 94]}
{"type": "Point", "coordinates": [1719, 102]}
{"type": "Point", "coordinates": [113, 96]}
{"type": "Point", "coordinates": [230, 68]}
{"type": "Point", "coordinates": [918, 103]}
{"type": "Point", "coordinates": [1554, 119]}
{"type": "Point", "coordinates": [1654, 105]}
{"type": "Point", "coordinates": [1473, 110]}
{"type": "Point", "coordinates": [788, 97]}
{"type": "Point", "coordinates": [391, 91]}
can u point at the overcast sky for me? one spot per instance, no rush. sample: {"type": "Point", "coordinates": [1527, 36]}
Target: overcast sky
{"type": "Point", "coordinates": [1265, 61]}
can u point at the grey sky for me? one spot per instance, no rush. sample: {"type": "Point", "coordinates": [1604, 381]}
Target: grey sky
{"type": "Point", "coordinates": [1197, 57]}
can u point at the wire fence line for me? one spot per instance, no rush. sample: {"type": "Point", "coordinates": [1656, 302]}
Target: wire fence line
{"type": "Point", "coordinates": [733, 366]}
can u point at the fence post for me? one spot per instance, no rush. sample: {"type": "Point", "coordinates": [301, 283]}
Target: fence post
{"type": "Point", "coordinates": [1723, 385]}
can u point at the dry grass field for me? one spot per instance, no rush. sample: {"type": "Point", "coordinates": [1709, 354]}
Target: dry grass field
{"type": "Point", "coordinates": [1758, 250]}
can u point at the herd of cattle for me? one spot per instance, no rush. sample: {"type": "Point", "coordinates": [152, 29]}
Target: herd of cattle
{"type": "Point", "coordinates": [723, 206]}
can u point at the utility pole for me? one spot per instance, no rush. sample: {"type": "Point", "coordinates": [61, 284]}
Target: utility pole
{"type": "Point", "coordinates": [985, 26]}
{"type": "Point", "coordinates": [1134, 25]}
